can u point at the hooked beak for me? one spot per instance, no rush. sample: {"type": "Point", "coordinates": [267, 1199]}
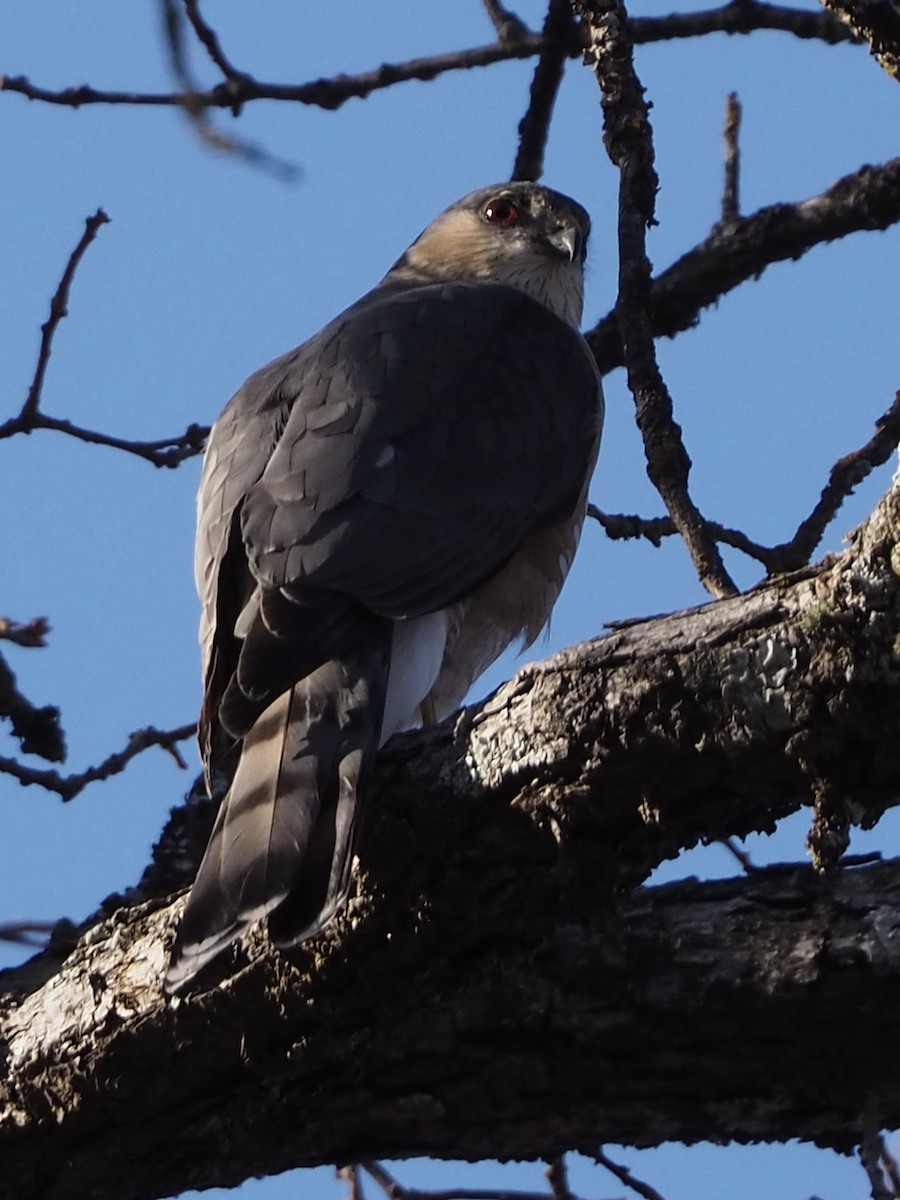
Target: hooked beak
{"type": "Point", "coordinates": [566, 242]}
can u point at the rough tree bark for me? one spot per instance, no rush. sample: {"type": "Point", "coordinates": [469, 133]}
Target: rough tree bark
{"type": "Point", "coordinates": [496, 987]}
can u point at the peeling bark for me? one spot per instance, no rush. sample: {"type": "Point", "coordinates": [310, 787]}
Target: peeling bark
{"type": "Point", "coordinates": [496, 988]}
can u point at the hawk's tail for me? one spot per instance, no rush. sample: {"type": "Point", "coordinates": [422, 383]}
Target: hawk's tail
{"type": "Point", "coordinates": [283, 841]}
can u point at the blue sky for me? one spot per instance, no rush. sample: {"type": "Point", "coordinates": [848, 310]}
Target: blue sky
{"type": "Point", "coordinates": [210, 268]}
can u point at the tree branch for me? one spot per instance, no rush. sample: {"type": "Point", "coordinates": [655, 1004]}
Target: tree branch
{"type": "Point", "coordinates": [167, 452]}
{"type": "Point", "coordinates": [31, 634]}
{"type": "Point", "coordinates": [737, 17]}
{"type": "Point", "coordinates": [58, 310]}
{"type": "Point", "coordinates": [629, 142]}
{"type": "Point", "coordinates": [625, 1176]}
{"type": "Point", "coordinates": [67, 787]}
{"type": "Point", "coordinates": [37, 730]}
{"type": "Point", "coordinates": [846, 474]}
{"type": "Point", "coordinates": [868, 199]}
{"type": "Point", "coordinates": [549, 1012]}
{"type": "Point", "coordinates": [558, 34]}
{"type": "Point", "coordinates": [508, 25]}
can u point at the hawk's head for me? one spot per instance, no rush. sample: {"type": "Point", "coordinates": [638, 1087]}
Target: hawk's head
{"type": "Point", "coordinates": [520, 234]}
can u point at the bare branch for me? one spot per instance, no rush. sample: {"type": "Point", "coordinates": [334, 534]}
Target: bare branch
{"type": "Point", "coordinates": [210, 41]}
{"type": "Point", "coordinates": [741, 17]}
{"type": "Point", "coordinates": [733, 18]}
{"type": "Point", "coordinates": [846, 474]}
{"type": "Point", "coordinates": [321, 93]}
{"type": "Point", "coordinates": [58, 310]}
{"type": "Point", "coordinates": [509, 26]}
{"type": "Point", "coordinates": [731, 200]}
{"type": "Point", "coordinates": [173, 26]}
{"type": "Point", "coordinates": [166, 452]}
{"type": "Point", "coordinates": [26, 933]}
{"type": "Point", "coordinates": [394, 1190]}
{"type": "Point", "coordinates": [748, 866]}
{"type": "Point", "coordinates": [558, 33]}
{"type": "Point", "coordinates": [868, 199]}
{"type": "Point", "coordinates": [624, 526]}
{"type": "Point", "coordinates": [891, 1167]}
{"type": "Point", "coordinates": [870, 1154]}
{"type": "Point", "coordinates": [197, 112]}
{"type": "Point", "coordinates": [350, 1174]}
{"type": "Point", "coordinates": [30, 634]}
{"type": "Point", "coordinates": [626, 1177]}
{"type": "Point", "coordinates": [629, 142]}
{"type": "Point", "coordinates": [558, 1178]}
{"type": "Point", "coordinates": [69, 786]}
{"type": "Point", "coordinates": [37, 730]}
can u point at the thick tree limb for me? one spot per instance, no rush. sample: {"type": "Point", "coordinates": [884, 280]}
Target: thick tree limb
{"type": "Point", "coordinates": [877, 23]}
{"type": "Point", "coordinates": [484, 994]}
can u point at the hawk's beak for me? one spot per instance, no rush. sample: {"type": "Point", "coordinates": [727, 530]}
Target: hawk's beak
{"type": "Point", "coordinates": [566, 241]}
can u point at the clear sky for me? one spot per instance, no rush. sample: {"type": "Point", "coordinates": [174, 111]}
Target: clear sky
{"type": "Point", "coordinates": [211, 267]}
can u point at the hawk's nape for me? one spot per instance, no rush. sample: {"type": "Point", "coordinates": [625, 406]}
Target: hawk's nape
{"type": "Point", "coordinates": [383, 511]}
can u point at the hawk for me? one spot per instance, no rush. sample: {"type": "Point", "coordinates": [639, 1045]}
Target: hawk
{"type": "Point", "coordinates": [382, 512]}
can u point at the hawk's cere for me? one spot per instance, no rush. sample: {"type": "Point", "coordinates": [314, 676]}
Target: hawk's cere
{"type": "Point", "coordinates": [383, 511]}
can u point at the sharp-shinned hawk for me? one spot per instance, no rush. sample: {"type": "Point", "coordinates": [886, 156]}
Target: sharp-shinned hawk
{"type": "Point", "coordinates": [383, 511]}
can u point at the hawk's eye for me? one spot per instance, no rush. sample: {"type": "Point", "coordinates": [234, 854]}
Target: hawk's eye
{"type": "Point", "coordinates": [501, 211]}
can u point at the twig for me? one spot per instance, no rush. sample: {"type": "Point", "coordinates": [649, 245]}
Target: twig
{"type": "Point", "coordinates": [26, 933]}
{"type": "Point", "coordinates": [394, 1190]}
{"type": "Point", "coordinates": [558, 33]}
{"type": "Point", "coordinates": [31, 634]}
{"type": "Point", "coordinates": [846, 474]}
{"type": "Point", "coordinates": [558, 1177]}
{"type": "Point", "coordinates": [629, 142]}
{"type": "Point", "coordinates": [210, 41]}
{"type": "Point", "coordinates": [198, 113]}
{"type": "Point", "coordinates": [385, 1180]}
{"type": "Point", "coordinates": [166, 452]}
{"type": "Point", "coordinates": [748, 865]}
{"type": "Point", "coordinates": [37, 729]}
{"type": "Point", "coordinates": [321, 93]}
{"type": "Point", "coordinates": [743, 18]}
{"type": "Point", "coordinates": [625, 1176]}
{"type": "Point", "coordinates": [173, 26]}
{"type": "Point", "coordinates": [868, 199]}
{"type": "Point", "coordinates": [350, 1174]}
{"type": "Point", "coordinates": [891, 1168]}
{"type": "Point", "coordinates": [625, 526]}
{"type": "Point", "coordinates": [731, 197]}
{"type": "Point", "coordinates": [870, 1154]}
{"type": "Point", "coordinates": [58, 310]}
{"type": "Point", "coordinates": [68, 786]}
{"type": "Point", "coordinates": [509, 26]}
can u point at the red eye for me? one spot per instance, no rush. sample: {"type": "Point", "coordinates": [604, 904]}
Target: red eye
{"type": "Point", "coordinates": [501, 211]}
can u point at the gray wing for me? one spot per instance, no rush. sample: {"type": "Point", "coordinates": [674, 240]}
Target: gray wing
{"type": "Point", "coordinates": [434, 432]}
{"type": "Point", "coordinates": [385, 469]}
